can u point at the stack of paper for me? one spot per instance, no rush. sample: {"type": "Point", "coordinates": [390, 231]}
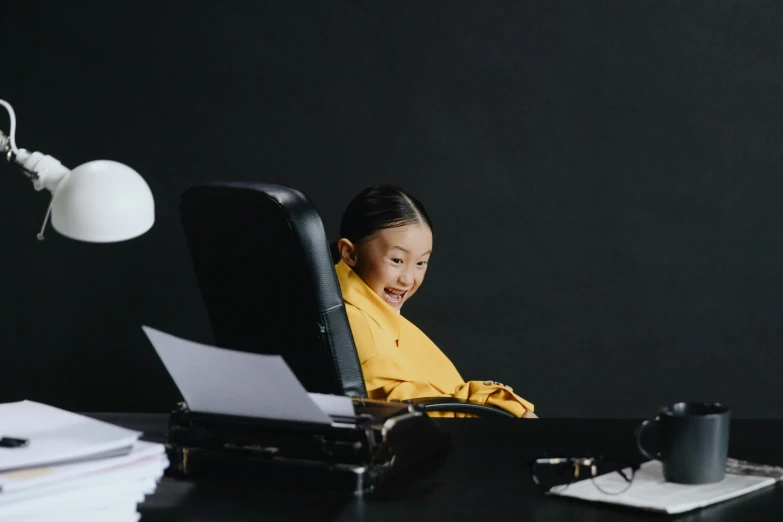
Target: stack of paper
{"type": "Point", "coordinates": [73, 467]}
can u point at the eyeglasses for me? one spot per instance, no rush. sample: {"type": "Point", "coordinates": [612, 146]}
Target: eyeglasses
{"type": "Point", "coordinates": [555, 474]}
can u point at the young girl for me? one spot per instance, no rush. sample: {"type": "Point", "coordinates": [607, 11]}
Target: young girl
{"type": "Point", "coordinates": [385, 245]}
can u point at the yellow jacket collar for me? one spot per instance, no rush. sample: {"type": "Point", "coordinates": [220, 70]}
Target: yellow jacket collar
{"type": "Point", "coordinates": [356, 292]}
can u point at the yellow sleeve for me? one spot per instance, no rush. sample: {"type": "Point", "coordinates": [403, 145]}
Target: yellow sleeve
{"type": "Point", "coordinates": [494, 395]}
{"type": "Point", "coordinates": [387, 377]}
{"type": "Point", "coordinates": [381, 385]}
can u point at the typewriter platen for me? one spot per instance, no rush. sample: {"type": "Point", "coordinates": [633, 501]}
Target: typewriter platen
{"type": "Point", "coordinates": [383, 441]}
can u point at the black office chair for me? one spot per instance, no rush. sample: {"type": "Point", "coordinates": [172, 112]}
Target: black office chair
{"type": "Point", "coordinates": [266, 276]}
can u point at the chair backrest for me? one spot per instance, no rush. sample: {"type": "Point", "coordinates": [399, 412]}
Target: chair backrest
{"type": "Point", "coordinates": [267, 280]}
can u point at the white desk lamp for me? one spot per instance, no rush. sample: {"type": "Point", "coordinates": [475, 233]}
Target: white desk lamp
{"type": "Point", "coordinates": [101, 201]}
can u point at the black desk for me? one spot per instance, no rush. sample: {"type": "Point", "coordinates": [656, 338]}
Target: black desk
{"type": "Point", "coordinates": [484, 478]}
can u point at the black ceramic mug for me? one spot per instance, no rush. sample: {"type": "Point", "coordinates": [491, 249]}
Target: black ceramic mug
{"type": "Point", "coordinates": [694, 441]}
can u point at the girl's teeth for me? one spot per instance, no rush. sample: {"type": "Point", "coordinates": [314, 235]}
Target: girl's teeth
{"type": "Point", "coordinates": [394, 295]}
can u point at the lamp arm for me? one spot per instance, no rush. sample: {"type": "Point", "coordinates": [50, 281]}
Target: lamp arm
{"type": "Point", "coordinates": [10, 140]}
{"type": "Point", "coordinates": [45, 171]}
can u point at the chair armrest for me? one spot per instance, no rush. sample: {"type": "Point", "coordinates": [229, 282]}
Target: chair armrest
{"type": "Point", "coordinates": [450, 404]}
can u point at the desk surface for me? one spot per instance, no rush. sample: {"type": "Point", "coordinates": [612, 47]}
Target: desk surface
{"type": "Point", "coordinates": [484, 477]}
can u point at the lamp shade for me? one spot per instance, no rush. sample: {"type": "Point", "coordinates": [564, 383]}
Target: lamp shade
{"type": "Point", "coordinates": [101, 202]}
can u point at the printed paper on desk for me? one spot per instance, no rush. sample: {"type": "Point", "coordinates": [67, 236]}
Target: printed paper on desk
{"type": "Point", "coordinates": [33, 477]}
{"type": "Point", "coordinates": [57, 436]}
{"type": "Point", "coordinates": [132, 480]}
{"type": "Point", "coordinates": [649, 490]}
{"type": "Point", "coordinates": [229, 382]}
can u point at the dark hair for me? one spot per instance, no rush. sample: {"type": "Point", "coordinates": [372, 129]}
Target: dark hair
{"type": "Point", "coordinates": [377, 208]}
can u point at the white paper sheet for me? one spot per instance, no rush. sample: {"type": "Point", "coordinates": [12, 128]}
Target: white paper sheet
{"type": "Point", "coordinates": [108, 515]}
{"type": "Point", "coordinates": [334, 405]}
{"type": "Point", "coordinates": [56, 435]}
{"type": "Point", "coordinates": [77, 505]}
{"type": "Point", "coordinates": [229, 382]}
{"type": "Point", "coordinates": [134, 480]}
{"type": "Point", "coordinates": [650, 491]}
{"type": "Point", "coordinates": [32, 477]}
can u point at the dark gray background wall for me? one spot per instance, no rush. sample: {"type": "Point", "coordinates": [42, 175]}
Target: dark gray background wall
{"type": "Point", "coordinates": [605, 180]}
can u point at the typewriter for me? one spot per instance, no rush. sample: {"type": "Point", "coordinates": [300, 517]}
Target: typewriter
{"type": "Point", "coordinates": [253, 420]}
{"type": "Point", "coordinates": [382, 442]}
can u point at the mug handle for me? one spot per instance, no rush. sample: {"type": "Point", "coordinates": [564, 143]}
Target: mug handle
{"type": "Point", "coordinates": [642, 427]}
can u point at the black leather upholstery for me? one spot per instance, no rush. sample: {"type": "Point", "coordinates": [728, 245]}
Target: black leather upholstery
{"type": "Point", "coordinates": [267, 280]}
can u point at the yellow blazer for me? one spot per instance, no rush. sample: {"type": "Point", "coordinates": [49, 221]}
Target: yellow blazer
{"type": "Point", "coordinates": [400, 362]}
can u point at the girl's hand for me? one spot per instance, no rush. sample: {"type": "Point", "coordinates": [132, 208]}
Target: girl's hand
{"type": "Point", "coordinates": [529, 415]}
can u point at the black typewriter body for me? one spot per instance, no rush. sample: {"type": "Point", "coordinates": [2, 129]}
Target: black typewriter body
{"type": "Point", "coordinates": [383, 441]}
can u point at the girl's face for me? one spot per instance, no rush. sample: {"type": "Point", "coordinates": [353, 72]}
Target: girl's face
{"type": "Point", "coordinates": [392, 262]}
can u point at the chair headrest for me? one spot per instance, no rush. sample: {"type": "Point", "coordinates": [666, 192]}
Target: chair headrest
{"type": "Point", "coordinates": [267, 279]}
